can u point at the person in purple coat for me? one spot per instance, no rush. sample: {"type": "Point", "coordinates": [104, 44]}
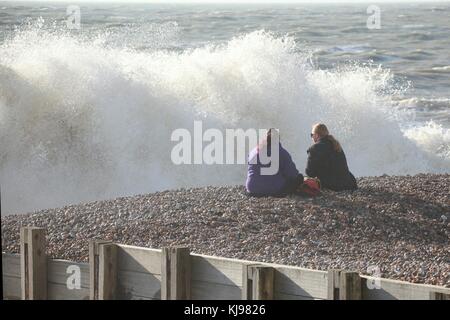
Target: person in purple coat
{"type": "Point", "coordinates": [284, 181]}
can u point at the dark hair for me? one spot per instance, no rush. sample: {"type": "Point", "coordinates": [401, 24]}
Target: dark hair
{"type": "Point", "coordinates": [267, 141]}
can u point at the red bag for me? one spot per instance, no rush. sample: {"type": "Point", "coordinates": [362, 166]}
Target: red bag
{"type": "Point", "coordinates": [310, 187]}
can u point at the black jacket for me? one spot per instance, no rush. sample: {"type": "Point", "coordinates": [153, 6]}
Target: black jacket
{"type": "Point", "coordinates": [329, 166]}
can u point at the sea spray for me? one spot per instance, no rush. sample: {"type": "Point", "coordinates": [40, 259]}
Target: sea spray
{"type": "Point", "coordinates": [82, 120]}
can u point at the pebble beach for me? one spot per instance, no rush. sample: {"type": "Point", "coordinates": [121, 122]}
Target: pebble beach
{"type": "Point", "coordinates": [398, 224]}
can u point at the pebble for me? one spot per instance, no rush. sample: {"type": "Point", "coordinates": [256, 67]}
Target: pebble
{"type": "Point", "coordinates": [398, 224]}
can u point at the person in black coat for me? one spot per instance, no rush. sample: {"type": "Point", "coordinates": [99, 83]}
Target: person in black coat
{"type": "Point", "coordinates": [327, 161]}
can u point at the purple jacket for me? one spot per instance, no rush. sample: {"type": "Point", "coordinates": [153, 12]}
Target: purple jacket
{"type": "Point", "coordinates": [258, 184]}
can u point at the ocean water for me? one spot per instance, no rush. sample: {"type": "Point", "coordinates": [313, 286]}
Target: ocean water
{"type": "Point", "coordinates": [87, 113]}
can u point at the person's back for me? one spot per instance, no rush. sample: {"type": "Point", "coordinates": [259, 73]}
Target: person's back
{"type": "Point", "coordinates": [327, 161]}
{"type": "Point", "coordinates": [277, 184]}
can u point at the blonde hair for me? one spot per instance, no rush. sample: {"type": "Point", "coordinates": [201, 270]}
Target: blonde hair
{"type": "Point", "coordinates": [322, 131]}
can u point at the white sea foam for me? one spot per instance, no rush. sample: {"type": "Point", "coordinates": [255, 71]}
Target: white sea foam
{"type": "Point", "coordinates": [80, 120]}
{"type": "Point", "coordinates": [432, 138]}
{"type": "Point", "coordinates": [443, 68]}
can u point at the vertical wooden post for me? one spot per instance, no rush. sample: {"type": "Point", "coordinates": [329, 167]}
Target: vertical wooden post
{"type": "Point", "coordinates": [180, 273]}
{"type": "Point", "coordinates": [93, 270]}
{"type": "Point", "coordinates": [95, 266]}
{"type": "Point", "coordinates": [107, 271]}
{"type": "Point", "coordinates": [263, 278]}
{"type": "Point", "coordinates": [258, 282]}
{"type": "Point", "coordinates": [350, 286]}
{"type": "Point", "coordinates": [247, 282]}
{"type": "Point", "coordinates": [165, 274]}
{"type": "Point", "coordinates": [333, 284]}
{"type": "Point", "coordinates": [439, 296]}
{"type": "Point", "coordinates": [176, 273]}
{"type": "Point", "coordinates": [33, 263]}
{"type": "Point", "coordinates": [24, 263]}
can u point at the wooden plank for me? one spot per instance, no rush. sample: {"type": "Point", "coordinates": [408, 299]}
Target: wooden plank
{"type": "Point", "coordinates": [137, 259]}
{"type": "Point", "coordinates": [212, 291]}
{"type": "Point", "coordinates": [180, 273]}
{"type": "Point", "coordinates": [138, 286]}
{"type": "Point", "coordinates": [216, 270]}
{"type": "Point", "coordinates": [107, 272]}
{"type": "Point", "coordinates": [439, 296]}
{"type": "Point", "coordinates": [284, 296]}
{"type": "Point", "coordinates": [58, 272]}
{"type": "Point", "coordinates": [11, 288]}
{"type": "Point", "coordinates": [301, 282]}
{"type": "Point", "coordinates": [289, 280]}
{"type": "Point", "coordinates": [11, 264]}
{"type": "Point", "coordinates": [33, 264]}
{"type": "Point", "coordinates": [229, 271]}
{"type": "Point", "coordinates": [305, 283]}
{"type": "Point", "coordinates": [399, 290]}
{"type": "Point", "coordinates": [136, 297]}
{"type": "Point", "coordinates": [350, 286]}
{"type": "Point", "coordinates": [61, 292]}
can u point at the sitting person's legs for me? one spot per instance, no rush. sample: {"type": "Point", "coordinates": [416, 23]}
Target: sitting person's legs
{"type": "Point", "coordinates": [293, 185]}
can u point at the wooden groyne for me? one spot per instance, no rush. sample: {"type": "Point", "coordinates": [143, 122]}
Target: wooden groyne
{"type": "Point", "coordinates": [117, 271]}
